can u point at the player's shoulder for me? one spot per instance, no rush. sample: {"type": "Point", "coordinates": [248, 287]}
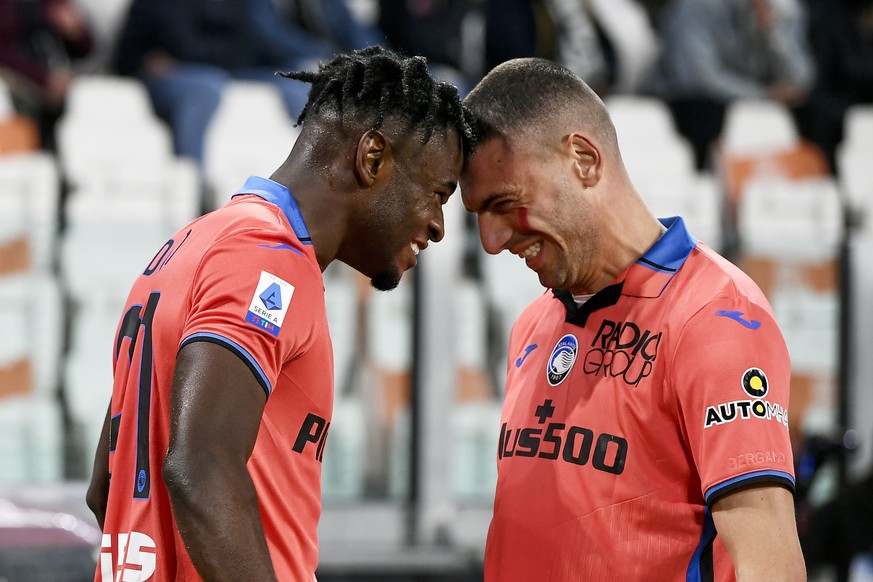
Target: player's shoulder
{"type": "Point", "coordinates": [249, 221]}
{"type": "Point", "coordinates": [715, 298]}
{"type": "Point", "coordinates": [707, 276]}
{"type": "Point", "coordinates": [543, 304]}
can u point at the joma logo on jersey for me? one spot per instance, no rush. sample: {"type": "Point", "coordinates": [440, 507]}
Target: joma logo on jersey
{"type": "Point", "coordinates": [574, 444]}
{"type": "Point", "coordinates": [313, 430]}
{"type": "Point", "coordinates": [622, 350]}
{"type": "Point", "coordinates": [136, 557]}
{"type": "Point", "coordinates": [744, 410]}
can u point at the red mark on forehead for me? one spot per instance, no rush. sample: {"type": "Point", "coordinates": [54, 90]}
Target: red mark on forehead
{"type": "Point", "coordinates": [522, 219]}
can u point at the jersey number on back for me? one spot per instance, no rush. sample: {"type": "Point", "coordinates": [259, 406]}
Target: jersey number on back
{"type": "Point", "coordinates": [135, 319]}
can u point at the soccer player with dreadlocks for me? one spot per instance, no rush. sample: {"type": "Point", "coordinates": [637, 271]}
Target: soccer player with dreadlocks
{"type": "Point", "coordinates": [223, 383]}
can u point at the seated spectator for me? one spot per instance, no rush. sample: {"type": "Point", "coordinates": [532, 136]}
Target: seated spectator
{"type": "Point", "coordinates": [39, 42]}
{"type": "Point", "coordinates": [186, 51]}
{"type": "Point", "coordinates": [332, 20]}
{"type": "Point", "coordinates": [609, 43]}
{"type": "Point", "coordinates": [432, 29]}
{"type": "Point", "coordinates": [841, 37]}
{"type": "Point", "coordinates": [718, 51]}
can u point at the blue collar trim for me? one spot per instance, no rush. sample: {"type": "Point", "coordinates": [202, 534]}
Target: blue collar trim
{"type": "Point", "coordinates": [671, 250]}
{"type": "Point", "coordinates": [277, 194]}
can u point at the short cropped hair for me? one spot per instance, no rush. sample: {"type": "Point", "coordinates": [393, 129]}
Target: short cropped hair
{"type": "Point", "coordinates": [519, 96]}
{"type": "Point", "coordinates": [381, 83]}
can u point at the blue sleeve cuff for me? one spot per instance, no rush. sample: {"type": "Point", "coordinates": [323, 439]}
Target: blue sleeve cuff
{"type": "Point", "coordinates": [721, 489]}
{"type": "Point", "coordinates": [237, 349]}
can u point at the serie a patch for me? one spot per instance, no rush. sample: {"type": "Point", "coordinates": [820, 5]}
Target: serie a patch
{"type": "Point", "coordinates": [270, 303]}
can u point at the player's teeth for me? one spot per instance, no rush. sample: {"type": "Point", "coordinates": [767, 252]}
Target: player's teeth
{"type": "Point", "coordinates": [532, 250]}
{"type": "Point", "coordinates": [414, 248]}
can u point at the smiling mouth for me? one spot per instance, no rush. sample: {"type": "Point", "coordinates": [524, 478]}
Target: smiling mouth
{"type": "Point", "coordinates": [414, 247]}
{"type": "Point", "coordinates": [532, 251]}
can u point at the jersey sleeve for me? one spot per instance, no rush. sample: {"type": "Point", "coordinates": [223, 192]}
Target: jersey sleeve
{"type": "Point", "coordinates": [252, 294]}
{"type": "Point", "coordinates": [730, 374]}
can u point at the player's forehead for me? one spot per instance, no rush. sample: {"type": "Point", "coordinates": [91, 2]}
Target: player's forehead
{"type": "Point", "coordinates": [493, 168]}
{"type": "Point", "coordinates": [440, 158]}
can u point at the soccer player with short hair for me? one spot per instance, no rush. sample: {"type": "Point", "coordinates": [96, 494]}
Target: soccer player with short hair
{"type": "Point", "coordinates": [644, 433]}
{"type": "Point", "coordinates": [209, 465]}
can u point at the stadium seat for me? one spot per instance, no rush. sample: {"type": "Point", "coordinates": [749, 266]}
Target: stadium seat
{"type": "Point", "coordinates": [760, 138]}
{"type": "Point", "coordinates": [809, 322]}
{"type": "Point", "coordinates": [790, 232]}
{"type": "Point", "coordinates": [31, 320]}
{"type": "Point", "coordinates": [87, 370]}
{"type": "Point", "coordinates": [29, 200]}
{"type": "Point", "coordinates": [471, 331]}
{"type": "Point", "coordinates": [861, 343]}
{"type": "Point", "coordinates": [7, 108]}
{"type": "Point", "coordinates": [792, 220]}
{"type": "Point", "coordinates": [170, 196]}
{"type": "Point", "coordinates": [108, 99]}
{"type": "Point", "coordinates": [474, 430]}
{"type": "Point", "coordinates": [475, 434]}
{"type": "Point", "coordinates": [854, 169]}
{"type": "Point", "coordinates": [109, 129]}
{"type": "Point", "coordinates": [341, 298]}
{"type": "Point", "coordinates": [91, 152]}
{"type": "Point", "coordinates": [389, 327]}
{"type": "Point", "coordinates": [250, 133]}
{"type": "Point", "coordinates": [508, 286]}
{"type": "Point", "coordinates": [703, 210]}
{"type": "Point", "coordinates": [757, 127]}
{"type": "Point", "coordinates": [121, 169]}
{"type": "Point", "coordinates": [31, 428]}
{"type": "Point", "coordinates": [640, 118]}
{"type": "Point", "coordinates": [31, 440]}
{"type": "Point", "coordinates": [760, 141]}
{"type": "Point", "coordinates": [855, 175]}
{"type": "Point", "coordinates": [858, 126]}
{"type": "Point", "coordinates": [18, 133]}
{"type": "Point", "coordinates": [660, 163]}
{"type": "Point", "coordinates": [342, 473]}
{"type": "Point", "coordinates": [103, 254]}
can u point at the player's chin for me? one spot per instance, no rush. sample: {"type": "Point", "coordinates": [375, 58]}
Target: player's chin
{"type": "Point", "coordinates": [387, 280]}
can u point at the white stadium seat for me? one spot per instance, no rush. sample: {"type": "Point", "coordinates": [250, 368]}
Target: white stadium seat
{"type": "Point", "coordinates": [757, 127]}
{"type": "Point", "coordinates": [29, 200]}
{"type": "Point", "coordinates": [31, 320]}
{"type": "Point", "coordinates": [250, 134]}
{"type": "Point", "coordinates": [792, 220]}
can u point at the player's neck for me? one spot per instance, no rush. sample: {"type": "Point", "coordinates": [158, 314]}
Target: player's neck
{"type": "Point", "coordinates": [317, 198]}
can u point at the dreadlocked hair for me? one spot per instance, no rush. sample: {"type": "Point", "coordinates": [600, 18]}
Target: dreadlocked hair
{"type": "Point", "coordinates": [379, 82]}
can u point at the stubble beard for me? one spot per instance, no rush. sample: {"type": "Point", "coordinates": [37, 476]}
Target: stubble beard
{"type": "Point", "coordinates": [386, 280]}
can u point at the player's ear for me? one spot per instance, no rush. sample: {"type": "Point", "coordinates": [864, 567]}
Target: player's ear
{"type": "Point", "coordinates": [374, 159]}
{"type": "Point", "coordinates": [587, 158]}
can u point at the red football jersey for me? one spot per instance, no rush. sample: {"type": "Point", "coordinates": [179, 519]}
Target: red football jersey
{"type": "Point", "coordinates": [244, 277]}
{"type": "Point", "coordinates": [626, 417]}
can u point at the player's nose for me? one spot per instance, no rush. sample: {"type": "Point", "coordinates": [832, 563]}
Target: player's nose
{"type": "Point", "coordinates": [493, 232]}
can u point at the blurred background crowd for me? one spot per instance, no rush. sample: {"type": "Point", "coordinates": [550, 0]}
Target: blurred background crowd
{"type": "Point", "coordinates": [120, 120]}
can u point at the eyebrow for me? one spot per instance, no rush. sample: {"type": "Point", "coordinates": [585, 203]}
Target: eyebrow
{"type": "Point", "coordinates": [483, 207]}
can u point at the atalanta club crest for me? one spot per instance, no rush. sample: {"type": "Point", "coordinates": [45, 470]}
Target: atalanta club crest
{"type": "Point", "coordinates": [562, 359]}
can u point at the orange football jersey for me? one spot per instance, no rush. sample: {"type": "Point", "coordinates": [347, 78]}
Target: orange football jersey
{"type": "Point", "coordinates": [625, 417]}
{"type": "Point", "coordinates": [244, 277]}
